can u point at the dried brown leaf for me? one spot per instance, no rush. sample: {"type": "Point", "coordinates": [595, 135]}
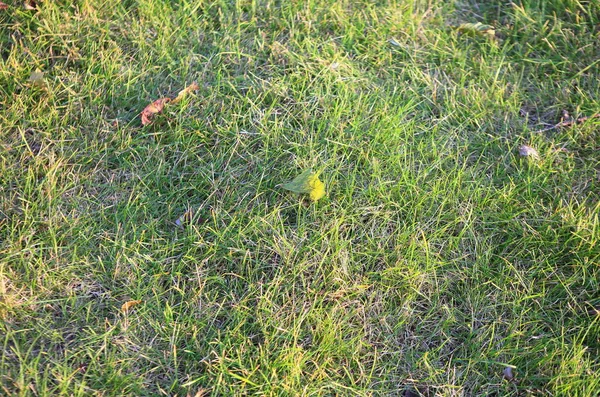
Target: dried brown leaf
{"type": "Point", "coordinates": [152, 109]}
{"type": "Point", "coordinates": [187, 90]}
{"type": "Point", "coordinates": [128, 305]}
{"type": "Point", "coordinates": [569, 122]}
{"type": "Point", "coordinates": [3, 6]}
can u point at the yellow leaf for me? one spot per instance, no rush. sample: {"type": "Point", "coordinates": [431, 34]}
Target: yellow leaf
{"type": "Point", "coordinates": [300, 183]}
{"type": "Point", "coordinates": [317, 188]}
{"type": "Point", "coordinates": [307, 182]}
{"type": "Point", "coordinates": [128, 305]}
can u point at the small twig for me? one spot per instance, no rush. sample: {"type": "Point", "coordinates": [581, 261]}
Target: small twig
{"type": "Point", "coordinates": [569, 123]}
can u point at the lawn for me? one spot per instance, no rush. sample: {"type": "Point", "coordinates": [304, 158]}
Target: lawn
{"type": "Point", "coordinates": [439, 258]}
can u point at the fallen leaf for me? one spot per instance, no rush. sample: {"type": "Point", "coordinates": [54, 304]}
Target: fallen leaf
{"type": "Point", "coordinates": [300, 183]}
{"type": "Point", "coordinates": [569, 122]}
{"type": "Point", "coordinates": [3, 6]}
{"type": "Point", "coordinates": [152, 109]}
{"type": "Point", "coordinates": [128, 305]}
{"type": "Point", "coordinates": [317, 188]}
{"type": "Point", "coordinates": [37, 78]}
{"type": "Point", "coordinates": [158, 105]}
{"type": "Point", "coordinates": [508, 374]}
{"type": "Point", "coordinates": [528, 151]}
{"type": "Point", "coordinates": [477, 29]}
{"type": "Point", "coordinates": [307, 182]}
{"type": "Point", "coordinates": [187, 90]}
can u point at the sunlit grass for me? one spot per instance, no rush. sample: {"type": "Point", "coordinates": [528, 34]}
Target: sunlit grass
{"type": "Point", "coordinates": [437, 258]}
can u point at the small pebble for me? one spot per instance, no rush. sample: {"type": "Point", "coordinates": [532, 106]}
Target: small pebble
{"type": "Point", "coordinates": [508, 374]}
{"type": "Point", "coordinates": [528, 151]}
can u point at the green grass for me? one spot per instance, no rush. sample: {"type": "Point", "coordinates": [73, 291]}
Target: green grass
{"type": "Point", "coordinates": [437, 259]}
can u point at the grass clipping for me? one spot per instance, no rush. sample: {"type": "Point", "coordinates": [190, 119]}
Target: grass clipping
{"type": "Point", "coordinates": [307, 182]}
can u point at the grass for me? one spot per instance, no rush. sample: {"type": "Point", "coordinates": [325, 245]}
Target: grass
{"type": "Point", "coordinates": [438, 258]}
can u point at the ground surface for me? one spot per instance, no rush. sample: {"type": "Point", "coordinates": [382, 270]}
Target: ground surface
{"type": "Point", "coordinates": [438, 258]}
